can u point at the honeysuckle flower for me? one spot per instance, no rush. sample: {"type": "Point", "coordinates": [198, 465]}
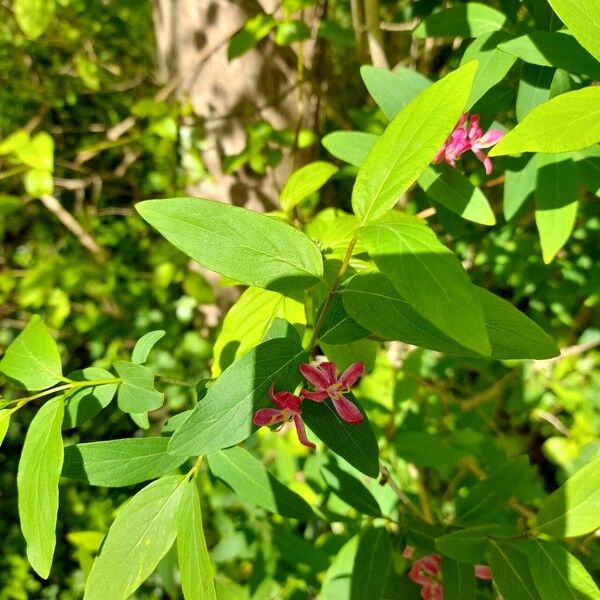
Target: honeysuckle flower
{"type": "Point", "coordinates": [327, 384]}
{"type": "Point", "coordinates": [289, 410]}
{"type": "Point", "coordinates": [468, 135]}
{"type": "Point", "coordinates": [427, 572]}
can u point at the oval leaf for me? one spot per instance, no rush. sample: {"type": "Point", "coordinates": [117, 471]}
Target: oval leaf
{"type": "Point", "coordinates": [305, 181]}
{"type": "Point", "coordinates": [409, 144]}
{"type": "Point", "coordinates": [33, 16]}
{"type": "Point", "coordinates": [84, 403]}
{"type": "Point", "coordinates": [350, 146]}
{"type": "Point", "coordinates": [371, 564]}
{"type": "Point", "coordinates": [142, 347]}
{"type": "Point", "coordinates": [568, 122]}
{"type": "Point", "coordinates": [356, 443]}
{"type": "Point", "coordinates": [37, 484]}
{"type": "Point", "coordinates": [140, 536]}
{"type": "Point", "coordinates": [251, 481]}
{"type": "Point", "coordinates": [511, 572]}
{"type": "Point", "coordinates": [117, 463]}
{"type": "Point", "coordinates": [136, 391]}
{"type": "Point", "coordinates": [574, 508]}
{"type": "Point", "coordinates": [246, 246]}
{"type": "Point", "coordinates": [429, 277]}
{"type": "Point", "coordinates": [32, 360]}
{"type": "Point", "coordinates": [374, 302]}
{"type": "Point", "coordinates": [195, 569]}
{"type": "Point", "coordinates": [224, 416]}
{"type": "Point", "coordinates": [583, 20]}
{"type": "Point", "coordinates": [450, 188]}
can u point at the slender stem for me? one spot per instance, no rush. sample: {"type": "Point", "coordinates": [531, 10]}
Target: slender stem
{"type": "Point", "coordinates": [331, 294]}
{"type": "Point", "coordinates": [386, 477]}
{"type": "Point", "coordinates": [68, 386]}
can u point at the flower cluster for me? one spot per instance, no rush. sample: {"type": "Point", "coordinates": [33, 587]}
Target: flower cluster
{"type": "Point", "coordinates": [326, 384]}
{"type": "Point", "coordinates": [468, 135]}
{"type": "Point", "coordinates": [427, 572]}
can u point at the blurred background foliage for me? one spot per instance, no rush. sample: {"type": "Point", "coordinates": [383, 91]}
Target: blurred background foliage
{"type": "Point", "coordinates": [87, 128]}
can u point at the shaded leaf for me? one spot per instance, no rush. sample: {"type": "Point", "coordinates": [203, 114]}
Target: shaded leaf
{"type": "Point", "coordinates": [195, 569]}
{"type": "Point", "coordinates": [350, 490]}
{"type": "Point", "coordinates": [583, 20]}
{"type": "Point", "coordinates": [117, 463]}
{"type": "Point", "coordinates": [251, 481]}
{"type": "Point", "coordinates": [511, 573]}
{"type": "Point", "coordinates": [371, 564]}
{"type": "Point", "coordinates": [142, 347]}
{"type": "Point", "coordinates": [224, 416]}
{"type": "Point", "coordinates": [459, 580]}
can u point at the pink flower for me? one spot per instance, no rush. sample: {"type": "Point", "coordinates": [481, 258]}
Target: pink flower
{"type": "Point", "coordinates": [289, 410]}
{"type": "Point", "coordinates": [483, 572]}
{"type": "Point", "coordinates": [468, 135]}
{"type": "Point", "coordinates": [324, 379]}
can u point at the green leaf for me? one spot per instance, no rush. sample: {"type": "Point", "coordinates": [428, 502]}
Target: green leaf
{"type": "Point", "coordinates": [39, 153]}
{"type": "Point", "coordinates": [251, 481]}
{"type": "Point", "coordinates": [197, 581]}
{"type": "Point", "coordinates": [349, 146]}
{"type": "Point", "coordinates": [118, 463]}
{"type": "Point", "coordinates": [246, 246]}
{"type": "Point", "coordinates": [364, 351]}
{"type": "Point", "coordinates": [140, 536]}
{"type": "Point", "coordinates": [426, 450]}
{"type": "Point", "coordinates": [14, 141]}
{"type": "Point", "coordinates": [136, 391]}
{"type": "Point", "coordinates": [338, 578]}
{"type": "Point", "coordinates": [489, 496]}
{"type": "Point", "coordinates": [339, 327]}
{"type": "Point", "coordinates": [371, 564]}
{"type": "Point", "coordinates": [356, 443]}
{"type": "Point", "coordinates": [280, 328]}
{"type": "Point", "coordinates": [373, 302]}
{"type": "Point", "coordinates": [33, 16]}
{"type": "Point", "coordinates": [305, 181]}
{"type": "Point", "coordinates": [32, 360]}
{"type": "Point", "coordinates": [254, 30]}
{"type": "Point", "coordinates": [464, 20]}
{"type": "Point", "coordinates": [409, 144]}
{"type": "Point", "coordinates": [450, 188]}
{"type": "Point", "coordinates": [5, 422]}
{"type": "Point", "coordinates": [556, 202]}
{"type": "Point", "coordinates": [558, 575]}
{"type": "Point", "coordinates": [568, 122]}
{"type": "Point", "coordinates": [38, 183]}
{"type": "Point", "coordinates": [583, 20]}
{"type": "Point", "coordinates": [37, 484]}
{"type": "Point", "coordinates": [290, 31]}
{"type": "Point", "coordinates": [553, 49]}
{"type": "Point", "coordinates": [224, 416]}
{"type": "Point", "coordinates": [520, 179]}
{"type": "Point", "coordinates": [574, 508]}
{"type": "Point", "coordinates": [493, 63]}
{"type": "Point", "coordinates": [393, 91]}
{"type": "Point", "coordinates": [534, 88]}
{"type": "Point", "coordinates": [429, 277]}
{"type": "Point", "coordinates": [511, 573]}
{"type": "Point", "coordinates": [467, 545]}
{"type": "Point", "coordinates": [459, 580]}
{"type": "Point", "coordinates": [86, 402]}
{"type": "Point", "coordinates": [247, 322]}
{"type": "Point", "coordinates": [350, 490]}
{"type": "Point", "coordinates": [142, 347]}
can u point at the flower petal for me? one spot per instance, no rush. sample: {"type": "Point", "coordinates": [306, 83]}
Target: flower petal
{"type": "Point", "coordinates": [302, 433]}
{"type": "Point", "coordinates": [316, 396]}
{"type": "Point", "coordinates": [284, 399]}
{"type": "Point", "coordinates": [315, 376]}
{"type": "Point", "coordinates": [483, 572]}
{"type": "Point", "coordinates": [347, 410]}
{"type": "Point", "coordinates": [351, 375]}
{"type": "Point", "coordinates": [493, 136]}
{"type": "Point", "coordinates": [487, 162]}
{"type": "Point", "coordinates": [267, 416]}
{"type": "Point", "coordinates": [330, 371]}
